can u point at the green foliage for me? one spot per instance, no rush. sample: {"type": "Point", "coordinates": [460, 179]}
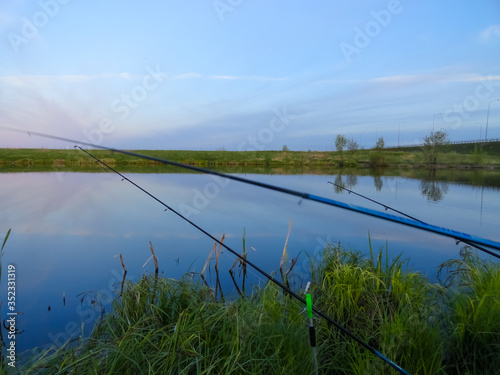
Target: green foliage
{"type": "Point", "coordinates": [377, 158]}
{"type": "Point", "coordinates": [380, 143]}
{"type": "Point", "coordinates": [74, 160]}
{"type": "Point", "coordinates": [187, 331]}
{"type": "Point", "coordinates": [171, 327]}
{"type": "Point", "coordinates": [434, 144]}
{"type": "Point", "coordinates": [340, 143]}
{"type": "Point", "coordinates": [478, 155]}
{"type": "Point", "coordinates": [474, 315]}
{"type": "Point", "coordinates": [384, 304]}
{"type": "Point", "coordinates": [352, 145]}
{"type": "Point", "coordinates": [377, 155]}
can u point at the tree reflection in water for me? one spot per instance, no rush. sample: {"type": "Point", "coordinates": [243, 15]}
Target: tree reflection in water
{"type": "Point", "coordinates": [431, 188]}
{"type": "Point", "coordinates": [351, 181]}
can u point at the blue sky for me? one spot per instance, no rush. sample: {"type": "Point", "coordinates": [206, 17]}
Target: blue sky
{"type": "Point", "coordinates": [243, 74]}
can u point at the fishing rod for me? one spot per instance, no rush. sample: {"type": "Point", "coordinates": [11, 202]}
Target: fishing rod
{"type": "Point", "coordinates": [330, 202]}
{"type": "Point", "coordinates": [374, 201]}
{"type": "Point", "coordinates": [471, 243]}
{"type": "Point", "coordinates": [262, 272]}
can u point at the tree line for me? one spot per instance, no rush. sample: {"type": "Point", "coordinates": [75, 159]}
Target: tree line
{"type": "Point", "coordinates": [433, 144]}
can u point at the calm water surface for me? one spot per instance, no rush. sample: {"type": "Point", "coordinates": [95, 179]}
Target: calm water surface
{"type": "Point", "coordinates": [68, 230]}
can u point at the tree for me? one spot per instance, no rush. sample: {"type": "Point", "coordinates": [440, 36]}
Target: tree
{"type": "Point", "coordinates": [340, 143]}
{"type": "Point", "coordinates": [285, 148]}
{"type": "Point", "coordinates": [377, 157]}
{"type": "Point", "coordinates": [352, 145]}
{"type": "Point", "coordinates": [380, 143]}
{"type": "Point", "coordinates": [434, 143]}
{"type": "Point", "coordinates": [478, 155]}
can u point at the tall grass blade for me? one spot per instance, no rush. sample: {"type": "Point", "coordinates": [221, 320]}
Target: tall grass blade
{"type": "Point", "coordinates": [6, 238]}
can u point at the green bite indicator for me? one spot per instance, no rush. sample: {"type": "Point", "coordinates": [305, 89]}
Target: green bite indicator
{"type": "Point", "coordinates": [309, 306]}
{"type": "Point", "coordinates": [312, 332]}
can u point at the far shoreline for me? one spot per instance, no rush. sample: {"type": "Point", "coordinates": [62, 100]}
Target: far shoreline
{"type": "Point", "coordinates": [464, 156]}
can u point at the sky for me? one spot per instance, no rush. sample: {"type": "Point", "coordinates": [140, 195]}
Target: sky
{"type": "Point", "coordinates": [248, 75]}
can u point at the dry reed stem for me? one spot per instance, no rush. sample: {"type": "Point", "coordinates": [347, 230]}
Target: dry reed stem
{"type": "Point", "coordinates": [217, 253]}
{"type": "Point", "coordinates": [202, 273]}
{"type": "Point", "coordinates": [284, 256]}
{"type": "Point", "coordinates": [231, 272]}
{"type": "Point", "coordinates": [123, 264]}
{"type": "Point", "coordinates": [154, 259]}
{"type": "Point", "coordinates": [234, 281]}
{"type": "Point", "coordinates": [124, 275]}
{"type": "Point", "coordinates": [156, 272]}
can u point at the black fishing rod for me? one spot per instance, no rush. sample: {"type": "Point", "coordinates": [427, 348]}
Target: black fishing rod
{"type": "Point", "coordinates": [315, 198]}
{"type": "Point", "coordinates": [262, 272]}
{"type": "Point", "coordinates": [374, 201]}
{"type": "Point", "coordinates": [471, 243]}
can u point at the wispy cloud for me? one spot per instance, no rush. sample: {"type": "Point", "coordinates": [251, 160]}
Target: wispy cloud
{"type": "Point", "coordinates": [30, 80]}
{"type": "Point", "coordinates": [249, 78]}
{"type": "Point", "coordinates": [490, 33]}
{"type": "Point", "coordinates": [435, 78]}
{"type": "Point", "coordinates": [413, 79]}
{"type": "Point", "coordinates": [187, 76]}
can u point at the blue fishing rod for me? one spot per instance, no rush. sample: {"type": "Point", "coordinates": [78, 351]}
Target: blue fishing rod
{"type": "Point", "coordinates": [315, 198]}
{"type": "Point", "coordinates": [411, 217]}
{"type": "Point", "coordinates": [286, 289]}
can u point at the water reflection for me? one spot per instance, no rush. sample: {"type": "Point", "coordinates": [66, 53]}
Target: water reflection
{"type": "Point", "coordinates": [377, 180]}
{"type": "Point", "coordinates": [350, 181]}
{"type": "Point", "coordinates": [430, 185]}
{"type": "Point", "coordinates": [68, 233]}
{"type": "Point", "coordinates": [433, 189]}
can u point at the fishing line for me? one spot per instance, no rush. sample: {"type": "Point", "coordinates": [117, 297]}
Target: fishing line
{"type": "Point", "coordinates": [330, 202]}
{"type": "Point", "coordinates": [471, 243]}
{"type": "Point", "coordinates": [374, 201]}
{"type": "Point", "coordinates": [262, 272]}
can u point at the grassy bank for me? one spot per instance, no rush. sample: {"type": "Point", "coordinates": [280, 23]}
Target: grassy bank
{"type": "Point", "coordinates": [166, 326]}
{"type": "Point", "coordinates": [48, 159]}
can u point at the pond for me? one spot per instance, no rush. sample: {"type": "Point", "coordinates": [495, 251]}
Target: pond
{"type": "Point", "coordinates": [68, 230]}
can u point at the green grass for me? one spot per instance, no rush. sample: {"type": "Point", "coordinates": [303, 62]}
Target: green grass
{"type": "Point", "coordinates": [60, 160]}
{"type": "Point", "coordinates": [491, 148]}
{"type": "Point", "coordinates": [166, 326]}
